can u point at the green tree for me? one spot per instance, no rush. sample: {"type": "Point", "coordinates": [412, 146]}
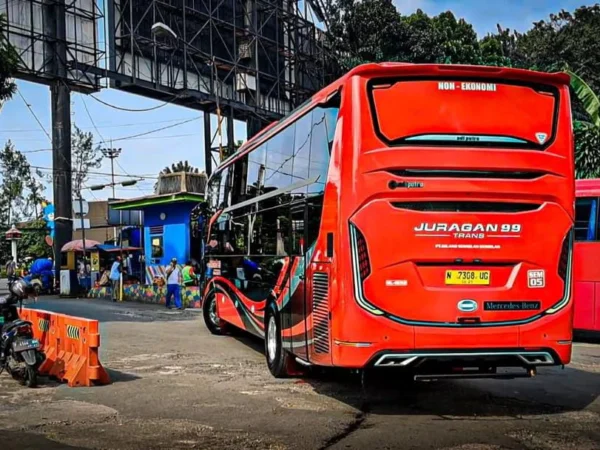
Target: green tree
{"type": "Point", "coordinates": [16, 173]}
{"type": "Point", "coordinates": [588, 98]}
{"type": "Point", "coordinates": [587, 132]}
{"type": "Point", "coordinates": [374, 31]}
{"type": "Point", "coordinates": [20, 192]}
{"type": "Point", "coordinates": [423, 40]}
{"type": "Point", "coordinates": [33, 241]}
{"type": "Point", "coordinates": [587, 151]}
{"type": "Point", "coordinates": [8, 64]}
{"type": "Point", "coordinates": [181, 166]}
{"type": "Point", "coordinates": [365, 31]}
{"type": "Point", "coordinates": [501, 49]}
{"type": "Point", "coordinates": [566, 39]}
{"type": "Point", "coordinates": [458, 41]}
{"type": "Point", "coordinates": [85, 156]}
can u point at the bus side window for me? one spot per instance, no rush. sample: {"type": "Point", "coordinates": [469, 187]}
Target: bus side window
{"type": "Point", "coordinates": [240, 169]}
{"type": "Point", "coordinates": [225, 187]}
{"type": "Point", "coordinates": [586, 219]}
{"type": "Point", "coordinates": [320, 142]}
{"type": "Point", "coordinates": [213, 192]}
{"type": "Point", "coordinates": [255, 171]}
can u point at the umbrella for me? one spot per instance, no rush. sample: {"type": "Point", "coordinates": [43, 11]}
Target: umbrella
{"type": "Point", "coordinates": [77, 245]}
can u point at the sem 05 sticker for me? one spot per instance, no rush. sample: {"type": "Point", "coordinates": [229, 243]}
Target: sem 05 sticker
{"type": "Point", "coordinates": [536, 278]}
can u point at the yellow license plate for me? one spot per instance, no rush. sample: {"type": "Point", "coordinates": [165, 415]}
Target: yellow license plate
{"type": "Point", "coordinates": [480, 277]}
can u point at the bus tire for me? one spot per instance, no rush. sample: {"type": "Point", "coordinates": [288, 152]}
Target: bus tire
{"type": "Point", "coordinates": [278, 359]}
{"type": "Point", "coordinates": [211, 319]}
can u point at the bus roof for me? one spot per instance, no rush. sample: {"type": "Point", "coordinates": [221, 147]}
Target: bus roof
{"type": "Point", "coordinates": [393, 69]}
{"type": "Point", "coordinates": [587, 188]}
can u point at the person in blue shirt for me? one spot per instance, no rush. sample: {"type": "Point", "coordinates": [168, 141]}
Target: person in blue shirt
{"type": "Point", "coordinates": [115, 277]}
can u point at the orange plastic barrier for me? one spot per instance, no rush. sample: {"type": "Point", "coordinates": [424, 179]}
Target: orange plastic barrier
{"type": "Point", "coordinates": [71, 346]}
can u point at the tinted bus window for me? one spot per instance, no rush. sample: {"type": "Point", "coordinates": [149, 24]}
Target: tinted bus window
{"type": "Point", "coordinates": [319, 151]}
{"type": "Point", "coordinates": [213, 191]}
{"type": "Point", "coordinates": [225, 188]}
{"type": "Point", "coordinates": [586, 219]}
{"type": "Point", "coordinates": [302, 153]}
{"type": "Point", "coordinates": [435, 111]}
{"type": "Point", "coordinates": [256, 170]}
{"type": "Point", "coordinates": [280, 155]}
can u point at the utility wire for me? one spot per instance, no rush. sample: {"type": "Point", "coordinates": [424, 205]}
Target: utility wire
{"type": "Point", "coordinates": [145, 177]}
{"type": "Point", "coordinates": [34, 114]}
{"type": "Point", "coordinates": [135, 136]}
{"type": "Point", "coordinates": [135, 110]}
{"type": "Point", "coordinates": [90, 116]}
{"type": "Point", "coordinates": [30, 130]}
{"type": "Point", "coordinates": [102, 137]}
{"type": "Point", "coordinates": [152, 131]}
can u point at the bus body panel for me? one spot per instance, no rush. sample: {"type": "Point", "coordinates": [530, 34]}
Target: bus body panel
{"type": "Point", "coordinates": [586, 270]}
{"type": "Point", "coordinates": [398, 287]}
{"type": "Point", "coordinates": [587, 286]}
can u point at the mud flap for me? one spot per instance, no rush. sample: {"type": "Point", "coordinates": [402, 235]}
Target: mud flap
{"type": "Point", "coordinates": [29, 356]}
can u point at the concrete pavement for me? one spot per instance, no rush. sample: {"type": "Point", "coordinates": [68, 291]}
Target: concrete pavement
{"type": "Point", "coordinates": [178, 387]}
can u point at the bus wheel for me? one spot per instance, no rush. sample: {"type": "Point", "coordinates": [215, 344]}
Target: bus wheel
{"type": "Point", "coordinates": [278, 359]}
{"type": "Point", "coordinates": [211, 318]}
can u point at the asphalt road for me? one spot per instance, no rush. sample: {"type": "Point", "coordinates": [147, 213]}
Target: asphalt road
{"type": "Point", "coordinates": [178, 387]}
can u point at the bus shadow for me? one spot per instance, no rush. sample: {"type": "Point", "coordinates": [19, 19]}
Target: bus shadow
{"type": "Point", "coordinates": [389, 391]}
{"type": "Point", "coordinates": [386, 392]}
{"type": "Point", "coordinates": [590, 337]}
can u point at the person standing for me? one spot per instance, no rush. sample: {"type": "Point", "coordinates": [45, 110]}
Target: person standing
{"type": "Point", "coordinates": [115, 277]}
{"type": "Point", "coordinates": [189, 276]}
{"type": "Point", "coordinates": [173, 284]}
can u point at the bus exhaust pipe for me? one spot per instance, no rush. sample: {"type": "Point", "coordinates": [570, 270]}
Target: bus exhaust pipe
{"type": "Point", "coordinates": [475, 375]}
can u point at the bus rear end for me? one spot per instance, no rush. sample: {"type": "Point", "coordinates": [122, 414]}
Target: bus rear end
{"type": "Point", "coordinates": [458, 208]}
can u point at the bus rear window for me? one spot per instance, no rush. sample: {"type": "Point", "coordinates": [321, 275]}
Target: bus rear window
{"type": "Point", "coordinates": [463, 112]}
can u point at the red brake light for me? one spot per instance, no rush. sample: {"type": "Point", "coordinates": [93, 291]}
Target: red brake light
{"type": "Point", "coordinates": [24, 329]}
{"type": "Point", "coordinates": [564, 257]}
{"type": "Point", "coordinates": [364, 264]}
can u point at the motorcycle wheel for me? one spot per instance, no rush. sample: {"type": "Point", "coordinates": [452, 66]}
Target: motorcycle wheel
{"type": "Point", "coordinates": [30, 377]}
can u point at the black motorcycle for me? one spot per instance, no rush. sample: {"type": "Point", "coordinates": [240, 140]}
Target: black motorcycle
{"type": "Point", "coordinates": [20, 353]}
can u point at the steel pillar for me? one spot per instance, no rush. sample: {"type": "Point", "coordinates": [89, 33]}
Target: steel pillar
{"type": "Point", "coordinates": [253, 126]}
{"type": "Point", "coordinates": [61, 141]}
{"type": "Point", "coordinates": [230, 136]}
{"type": "Point", "coordinates": [207, 144]}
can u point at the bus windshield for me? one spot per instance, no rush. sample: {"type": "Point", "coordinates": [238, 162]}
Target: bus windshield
{"type": "Point", "coordinates": [463, 112]}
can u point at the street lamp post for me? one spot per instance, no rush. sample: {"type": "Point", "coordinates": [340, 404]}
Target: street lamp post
{"type": "Point", "coordinates": [112, 153]}
{"type": "Point", "coordinates": [13, 235]}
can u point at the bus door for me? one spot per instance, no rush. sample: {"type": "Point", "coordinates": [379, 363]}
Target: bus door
{"type": "Point", "coordinates": [296, 330]}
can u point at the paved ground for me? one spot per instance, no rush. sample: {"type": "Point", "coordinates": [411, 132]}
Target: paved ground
{"type": "Point", "coordinates": [178, 387]}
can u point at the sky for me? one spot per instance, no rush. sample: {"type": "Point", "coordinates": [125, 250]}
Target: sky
{"type": "Point", "coordinates": [485, 14]}
{"type": "Point", "coordinates": [147, 155]}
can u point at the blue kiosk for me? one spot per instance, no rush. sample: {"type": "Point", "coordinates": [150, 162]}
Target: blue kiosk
{"type": "Point", "coordinates": [167, 217]}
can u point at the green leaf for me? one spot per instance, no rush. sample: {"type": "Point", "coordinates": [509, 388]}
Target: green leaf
{"type": "Point", "coordinates": [588, 98]}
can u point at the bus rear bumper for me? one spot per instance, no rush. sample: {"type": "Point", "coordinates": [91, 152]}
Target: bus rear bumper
{"type": "Point", "coordinates": [544, 342]}
{"type": "Point", "coordinates": [465, 358]}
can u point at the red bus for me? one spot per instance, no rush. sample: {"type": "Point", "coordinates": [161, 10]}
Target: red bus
{"type": "Point", "coordinates": [586, 254]}
{"type": "Point", "coordinates": [409, 216]}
